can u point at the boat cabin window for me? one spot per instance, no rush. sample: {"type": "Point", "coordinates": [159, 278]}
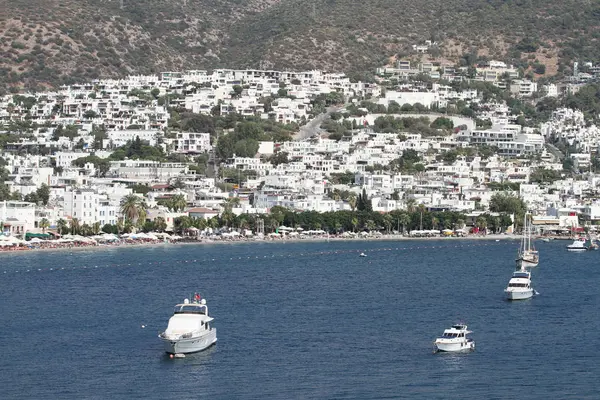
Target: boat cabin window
{"type": "Point", "coordinates": [451, 335]}
{"type": "Point", "coordinates": [189, 309]}
{"type": "Point", "coordinates": [518, 285]}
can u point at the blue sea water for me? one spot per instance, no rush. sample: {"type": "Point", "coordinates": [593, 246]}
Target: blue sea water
{"type": "Point", "coordinates": [300, 321]}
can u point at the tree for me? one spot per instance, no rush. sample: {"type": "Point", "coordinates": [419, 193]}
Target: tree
{"type": "Point", "coordinates": [75, 227]}
{"type": "Point", "coordinates": [160, 224]}
{"type": "Point", "coordinates": [280, 157]}
{"type": "Point", "coordinates": [404, 220]}
{"type": "Point", "coordinates": [352, 201]}
{"type": "Point", "coordinates": [62, 226]}
{"type": "Point", "coordinates": [148, 226]}
{"type": "Point", "coordinates": [481, 223]}
{"type": "Point", "coordinates": [32, 198]}
{"type": "Point", "coordinates": [364, 203]}
{"type": "Point", "coordinates": [237, 91]}
{"type": "Point", "coordinates": [543, 175]}
{"type": "Point", "coordinates": [182, 223]}
{"type": "Point", "coordinates": [44, 224]}
{"type": "Point", "coordinates": [108, 228]}
{"type": "Point", "coordinates": [100, 135]}
{"type": "Point", "coordinates": [43, 194]}
{"type": "Point", "coordinates": [232, 202]}
{"type": "Point", "coordinates": [133, 208]}
{"type": "Point", "coordinates": [354, 222]}
{"type": "Point", "coordinates": [177, 203]}
{"type": "Point", "coordinates": [442, 123]}
{"type": "Point", "coordinates": [510, 204]}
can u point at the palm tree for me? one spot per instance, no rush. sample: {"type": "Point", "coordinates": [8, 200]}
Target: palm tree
{"type": "Point", "coordinates": [410, 205]}
{"type": "Point", "coordinates": [182, 223]}
{"type": "Point", "coordinates": [460, 223]}
{"type": "Point", "coordinates": [127, 226]}
{"type": "Point", "coordinates": [62, 226]}
{"type": "Point", "coordinates": [404, 220]}
{"type": "Point", "coordinates": [481, 223]}
{"type": "Point", "coordinates": [434, 222]}
{"type": "Point", "coordinates": [86, 230]}
{"type": "Point", "coordinates": [200, 223]}
{"type": "Point", "coordinates": [354, 222]}
{"type": "Point", "coordinates": [227, 217]}
{"type": "Point", "coordinates": [230, 203]}
{"type": "Point", "coordinates": [44, 224]}
{"type": "Point", "coordinates": [422, 210]}
{"type": "Point", "coordinates": [178, 203]}
{"type": "Point", "coordinates": [370, 225]}
{"type": "Point", "coordinates": [133, 208]}
{"type": "Point", "coordinates": [352, 201]}
{"type": "Point", "coordinates": [272, 223]}
{"type": "Point", "coordinates": [388, 220]}
{"type": "Point", "coordinates": [213, 223]}
{"type": "Point", "coordinates": [337, 226]}
{"type": "Point", "coordinates": [243, 222]}
{"type": "Point", "coordinates": [96, 228]}
{"type": "Point", "coordinates": [75, 227]}
{"type": "Point", "coordinates": [120, 225]}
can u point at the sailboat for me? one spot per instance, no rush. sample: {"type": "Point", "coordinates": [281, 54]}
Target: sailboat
{"type": "Point", "coordinates": [528, 256]}
{"type": "Point", "coordinates": [593, 244]}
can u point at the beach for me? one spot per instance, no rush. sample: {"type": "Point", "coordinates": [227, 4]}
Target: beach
{"type": "Point", "coordinates": [199, 240]}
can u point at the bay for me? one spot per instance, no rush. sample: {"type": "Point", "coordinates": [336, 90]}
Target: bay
{"type": "Point", "coordinates": [308, 320]}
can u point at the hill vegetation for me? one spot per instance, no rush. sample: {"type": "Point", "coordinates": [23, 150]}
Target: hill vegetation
{"type": "Point", "coordinates": [62, 41]}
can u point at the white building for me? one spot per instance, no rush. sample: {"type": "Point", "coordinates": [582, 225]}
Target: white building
{"type": "Point", "coordinates": [17, 217]}
{"type": "Point", "coordinates": [191, 142]}
{"type": "Point", "coordinates": [121, 137]}
{"type": "Point", "coordinates": [143, 170]}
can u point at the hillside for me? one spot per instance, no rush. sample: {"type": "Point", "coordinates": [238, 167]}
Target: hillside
{"type": "Point", "coordinates": [51, 42]}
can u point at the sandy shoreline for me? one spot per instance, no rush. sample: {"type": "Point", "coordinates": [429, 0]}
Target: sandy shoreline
{"type": "Point", "coordinates": [204, 241]}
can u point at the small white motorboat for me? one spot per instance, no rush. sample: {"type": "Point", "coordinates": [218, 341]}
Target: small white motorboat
{"type": "Point", "coordinates": [189, 328]}
{"type": "Point", "coordinates": [455, 339]}
{"type": "Point", "coordinates": [578, 245]}
{"type": "Point", "coordinates": [362, 255]}
{"type": "Point", "coordinates": [519, 286]}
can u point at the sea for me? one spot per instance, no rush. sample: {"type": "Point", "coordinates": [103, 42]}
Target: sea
{"type": "Point", "coordinates": [304, 320]}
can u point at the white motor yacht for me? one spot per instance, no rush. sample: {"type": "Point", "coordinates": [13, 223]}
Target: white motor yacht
{"type": "Point", "coordinates": [519, 286]}
{"type": "Point", "coordinates": [190, 328]}
{"type": "Point", "coordinates": [455, 339]}
{"type": "Point", "coordinates": [578, 245]}
{"type": "Point", "coordinates": [362, 255]}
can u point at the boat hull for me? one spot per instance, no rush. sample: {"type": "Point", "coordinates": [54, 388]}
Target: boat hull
{"type": "Point", "coordinates": [519, 294]}
{"type": "Point", "coordinates": [190, 345]}
{"type": "Point", "coordinates": [577, 249]}
{"type": "Point", "coordinates": [455, 347]}
{"type": "Point", "coordinates": [523, 263]}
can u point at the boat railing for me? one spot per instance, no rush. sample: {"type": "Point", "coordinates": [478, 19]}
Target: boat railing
{"type": "Point", "coordinates": [187, 335]}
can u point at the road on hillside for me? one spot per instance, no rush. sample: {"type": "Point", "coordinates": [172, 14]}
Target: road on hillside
{"type": "Point", "coordinates": [314, 126]}
{"type": "Point", "coordinates": [552, 149]}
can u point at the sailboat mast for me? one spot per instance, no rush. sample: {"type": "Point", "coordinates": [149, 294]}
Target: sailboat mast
{"type": "Point", "coordinates": [528, 233]}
